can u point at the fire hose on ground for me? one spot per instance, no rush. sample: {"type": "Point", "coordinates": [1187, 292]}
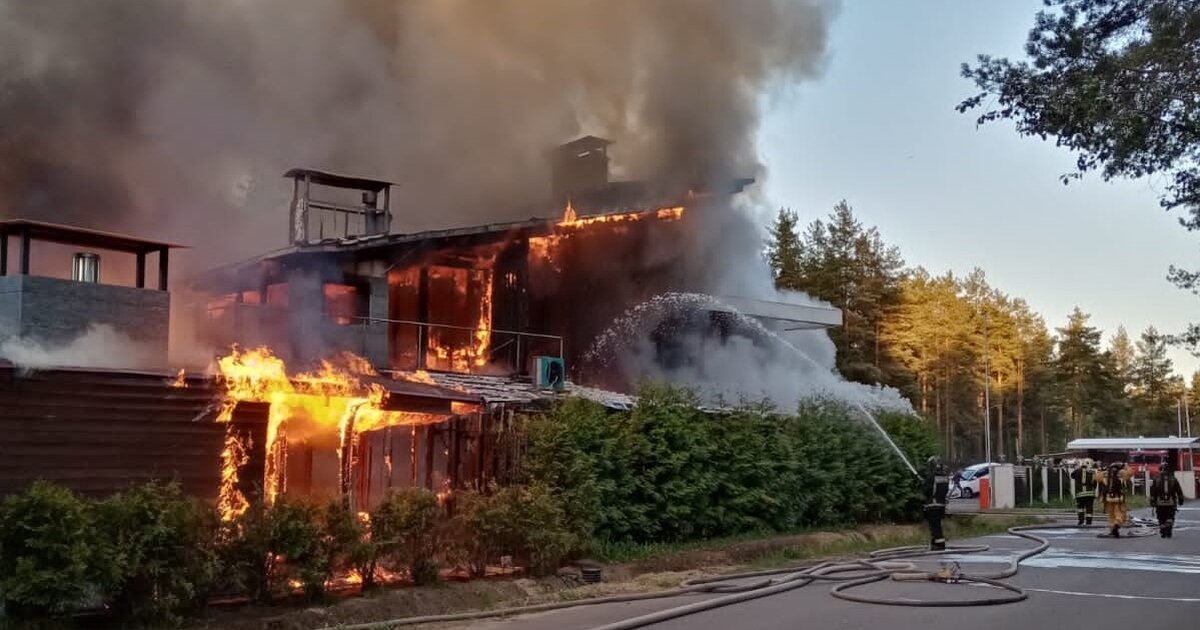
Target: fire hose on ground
{"type": "Point", "coordinates": [895, 564]}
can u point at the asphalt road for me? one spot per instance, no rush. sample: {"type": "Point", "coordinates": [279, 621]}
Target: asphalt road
{"type": "Point", "coordinates": [1081, 581]}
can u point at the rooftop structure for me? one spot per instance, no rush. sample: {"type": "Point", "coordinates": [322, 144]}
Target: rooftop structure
{"type": "Point", "coordinates": [315, 220]}
{"type": "Point", "coordinates": [52, 311]}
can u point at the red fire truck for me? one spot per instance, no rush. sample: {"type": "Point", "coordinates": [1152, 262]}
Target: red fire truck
{"type": "Point", "coordinates": [1145, 454]}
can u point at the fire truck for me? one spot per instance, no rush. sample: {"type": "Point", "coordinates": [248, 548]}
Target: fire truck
{"type": "Point", "coordinates": [1144, 455]}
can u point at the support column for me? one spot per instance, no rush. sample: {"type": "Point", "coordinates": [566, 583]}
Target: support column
{"type": "Point", "coordinates": [423, 316]}
{"type": "Point", "coordinates": [25, 245]}
{"type": "Point", "coordinates": [162, 269]}
{"type": "Point", "coordinates": [141, 270]}
{"type": "Point", "coordinates": [376, 331]}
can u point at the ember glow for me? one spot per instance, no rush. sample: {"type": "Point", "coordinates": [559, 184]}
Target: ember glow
{"type": "Point", "coordinates": [571, 219]}
{"type": "Point", "coordinates": [338, 401]}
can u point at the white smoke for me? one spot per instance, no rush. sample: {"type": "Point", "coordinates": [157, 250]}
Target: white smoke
{"type": "Point", "coordinates": [101, 346]}
{"type": "Point", "coordinates": [745, 361]}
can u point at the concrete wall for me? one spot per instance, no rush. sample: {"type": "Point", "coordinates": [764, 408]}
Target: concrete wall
{"type": "Point", "coordinates": [53, 311]}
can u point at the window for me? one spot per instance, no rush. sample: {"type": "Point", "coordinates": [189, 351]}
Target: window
{"type": "Point", "coordinates": [346, 304]}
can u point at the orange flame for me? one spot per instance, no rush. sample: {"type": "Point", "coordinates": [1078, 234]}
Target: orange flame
{"type": "Point", "coordinates": [180, 379]}
{"type": "Point", "coordinates": [335, 399]}
{"type": "Point", "coordinates": [571, 220]}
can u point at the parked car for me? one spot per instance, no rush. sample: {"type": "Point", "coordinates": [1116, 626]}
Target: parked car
{"type": "Point", "coordinates": [969, 483]}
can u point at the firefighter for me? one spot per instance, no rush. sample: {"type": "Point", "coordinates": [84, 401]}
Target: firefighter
{"type": "Point", "coordinates": [937, 485]}
{"type": "Point", "coordinates": [1084, 479]}
{"type": "Point", "coordinates": [1166, 495]}
{"type": "Point", "coordinates": [1111, 483]}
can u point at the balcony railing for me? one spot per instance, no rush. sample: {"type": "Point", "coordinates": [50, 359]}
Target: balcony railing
{"type": "Point", "coordinates": [396, 344]}
{"type": "Point", "coordinates": [415, 345]}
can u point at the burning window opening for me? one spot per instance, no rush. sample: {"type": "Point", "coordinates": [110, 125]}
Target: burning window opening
{"type": "Point", "coordinates": [340, 408]}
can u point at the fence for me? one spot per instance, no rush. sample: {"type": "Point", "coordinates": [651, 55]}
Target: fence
{"type": "Point", "coordinates": [1052, 484]}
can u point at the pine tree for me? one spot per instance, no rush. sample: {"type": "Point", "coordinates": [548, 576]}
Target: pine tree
{"type": "Point", "coordinates": [1152, 373]}
{"type": "Point", "coordinates": [852, 268]}
{"type": "Point", "coordinates": [1077, 365]}
{"type": "Point", "coordinates": [783, 251]}
{"type": "Point", "coordinates": [1123, 355]}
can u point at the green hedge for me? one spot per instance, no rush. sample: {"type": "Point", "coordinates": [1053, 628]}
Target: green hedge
{"type": "Point", "coordinates": [663, 472]}
{"type": "Point", "coordinates": [666, 471]}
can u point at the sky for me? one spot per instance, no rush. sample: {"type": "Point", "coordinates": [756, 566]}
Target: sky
{"type": "Point", "coordinates": [880, 131]}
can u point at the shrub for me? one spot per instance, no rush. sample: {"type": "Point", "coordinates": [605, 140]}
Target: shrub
{"type": "Point", "coordinates": [346, 543]}
{"type": "Point", "coordinates": [266, 547]}
{"type": "Point", "coordinates": [527, 522]}
{"type": "Point", "coordinates": [47, 559]}
{"type": "Point", "coordinates": [159, 549]}
{"type": "Point", "coordinates": [667, 472]}
{"type": "Point", "coordinates": [405, 531]}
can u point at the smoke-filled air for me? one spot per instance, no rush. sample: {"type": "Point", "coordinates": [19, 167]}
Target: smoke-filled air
{"type": "Point", "coordinates": [176, 120]}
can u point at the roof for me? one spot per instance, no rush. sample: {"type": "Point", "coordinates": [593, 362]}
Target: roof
{"type": "Point", "coordinates": [586, 143]}
{"type": "Point", "coordinates": [510, 390]}
{"type": "Point", "coordinates": [325, 178]}
{"type": "Point", "coordinates": [83, 237]}
{"type": "Point", "coordinates": [1131, 444]}
{"type": "Point", "coordinates": [792, 316]}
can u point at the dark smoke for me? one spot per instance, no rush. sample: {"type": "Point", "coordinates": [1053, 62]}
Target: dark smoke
{"type": "Point", "coordinates": [175, 119]}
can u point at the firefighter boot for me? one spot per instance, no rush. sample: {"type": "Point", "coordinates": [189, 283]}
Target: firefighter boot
{"type": "Point", "coordinates": [933, 515]}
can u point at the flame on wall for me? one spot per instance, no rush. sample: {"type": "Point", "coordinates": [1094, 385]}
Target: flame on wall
{"type": "Point", "coordinates": [342, 398]}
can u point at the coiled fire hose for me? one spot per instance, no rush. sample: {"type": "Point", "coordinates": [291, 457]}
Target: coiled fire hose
{"type": "Point", "coordinates": [895, 564]}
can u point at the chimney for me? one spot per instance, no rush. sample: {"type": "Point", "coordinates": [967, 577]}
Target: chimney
{"type": "Point", "coordinates": [579, 166]}
{"type": "Point", "coordinates": [86, 268]}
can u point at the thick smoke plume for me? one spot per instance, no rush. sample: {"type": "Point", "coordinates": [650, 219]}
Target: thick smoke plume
{"type": "Point", "coordinates": [175, 119]}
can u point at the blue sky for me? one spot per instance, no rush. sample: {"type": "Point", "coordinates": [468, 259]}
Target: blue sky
{"type": "Point", "coordinates": [879, 130]}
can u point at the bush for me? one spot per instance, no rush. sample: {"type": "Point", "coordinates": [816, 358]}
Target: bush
{"type": "Point", "coordinates": [267, 547]}
{"type": "Point", "coordinates": [405, 531]}
{"type": "Point", "coordinates": [346, 543]}
{"type": "Point", "coordinates": [47, 557]}
{"type": "Point", "coordinates": [159, 551]}
{"type": "Point", "coordinates": [666, 471]}
{"type": "Point", "coordinates": [526, 522]}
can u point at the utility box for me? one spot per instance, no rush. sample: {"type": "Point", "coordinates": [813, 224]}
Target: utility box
{"type": "Point", "coordinates": [1003, 487]}
{"type": "Point", "coordinates": [1187, 481]}
{"type": "Point", "coordinates": [550, 373]}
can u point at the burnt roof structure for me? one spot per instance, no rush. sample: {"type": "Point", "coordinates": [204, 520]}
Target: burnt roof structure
{"type": "Point", "coordinates": [335, 180]}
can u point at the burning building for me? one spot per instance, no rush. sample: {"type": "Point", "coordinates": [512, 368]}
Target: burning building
{"type": "Point", "coordinates": [448, 332]}
{"type": "Point", "coordinates": [485, 299]}
{"type": "Point", "coordinates": [365, 359]}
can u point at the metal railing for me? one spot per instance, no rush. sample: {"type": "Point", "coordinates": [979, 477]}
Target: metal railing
{"type": "Point", "coordinates": [377, 338]}
{"type": "Point", "coordinates": [499, 341]}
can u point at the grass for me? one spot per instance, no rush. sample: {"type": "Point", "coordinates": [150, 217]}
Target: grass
{"type": "Point", "coordinates": [1135, 501]}
{"type": "Point", "coordinates": [618, 552]}
{"type": "Point", "coordinates": [960, 526]}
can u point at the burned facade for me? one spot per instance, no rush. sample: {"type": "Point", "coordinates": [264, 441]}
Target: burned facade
{"type": "Point", "coordinates": [482, 300]}
{"type": "Point", "coordinates": [367, 359]}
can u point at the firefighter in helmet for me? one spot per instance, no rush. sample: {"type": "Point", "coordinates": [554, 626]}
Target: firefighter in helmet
{"type": "Point", "coordinates": [1111, 483]}
{"type": "Point", "coordinates": [1166, 495]}
{"type": "Point", "coordinates": [937, 485]}
{"type": "Point", "coordinates": [1084, 480]}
